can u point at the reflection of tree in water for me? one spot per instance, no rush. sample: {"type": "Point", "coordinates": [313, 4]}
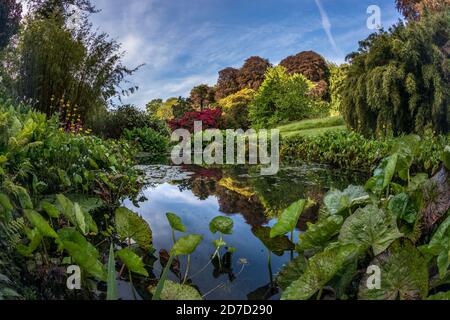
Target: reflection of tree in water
{"type": "Point", "coordinates": [250, 208]}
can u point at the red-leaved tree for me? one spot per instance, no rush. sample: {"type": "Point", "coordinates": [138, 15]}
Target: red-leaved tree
{"type": "Point", "coordinates": [210, 118]}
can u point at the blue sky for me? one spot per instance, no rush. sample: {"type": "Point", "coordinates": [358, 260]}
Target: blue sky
{"type": "Point", "coordinates": [184, 43]}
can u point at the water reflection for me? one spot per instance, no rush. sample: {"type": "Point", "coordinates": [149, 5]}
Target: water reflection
{"type": "Point", "coordinates": [253, 202]}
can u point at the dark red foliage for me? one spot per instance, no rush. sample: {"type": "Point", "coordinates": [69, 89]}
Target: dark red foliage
{"type": "Point", "coordinates": [210, 118]}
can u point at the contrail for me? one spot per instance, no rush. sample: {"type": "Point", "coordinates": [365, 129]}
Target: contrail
{"type": "Point", "coordinates": [327, 26]}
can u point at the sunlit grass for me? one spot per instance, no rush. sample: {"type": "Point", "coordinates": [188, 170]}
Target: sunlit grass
{"type": "Point", "coordinates": [312, 127]}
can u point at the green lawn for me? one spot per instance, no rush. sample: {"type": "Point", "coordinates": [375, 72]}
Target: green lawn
{"type": "Point", "coordinates": [312, 127]}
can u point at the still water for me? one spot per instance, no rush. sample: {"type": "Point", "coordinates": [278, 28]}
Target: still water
{"type": "Point", "coordinates": [198, 195]}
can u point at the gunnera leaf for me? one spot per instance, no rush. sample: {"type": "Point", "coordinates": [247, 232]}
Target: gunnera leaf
{"type": "Point", "coordinates": [436, 197]}
{"type": "Point", "coordinates": [321, 269]}
{"type": "Point", "coordinates": [403, 208]}
{"type": "Point", "coordinates": [370, 227]}
{"type": "Point", "coordinates": [319, 235]}
{"type": "Point", "coordinates": [174, 292]}
{"type": "Point", "coordinates": [291, 272]}
{"type": "Point", "coordinates": [446, 157]}
{"type": "Point", "coordinates": [404, 275]}
{"type": "Point", "coordinates": [130, 225]}
{"type": "Point", "coordinates": [440, 296]}
{"type": "Point", "coordinates": [338, 202]}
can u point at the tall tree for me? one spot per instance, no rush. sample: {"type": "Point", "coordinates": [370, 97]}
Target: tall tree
{"type": "Point", "coordinates": [202, 97]}
{"type": "Point", "coordinates": [10, 15]}
{"type": "Point", "coordinates": [314, 67]}
{"type": "Point", "coordinates": [398, 80]}
{"type": "Point", "coordinates": [227, 83]}
{"type": "Point", "coordinates": [414, 9]}
{"type": "Point", "coordinates": [252, 73]}
{"type": "Point", "coordinates": [53, 62]}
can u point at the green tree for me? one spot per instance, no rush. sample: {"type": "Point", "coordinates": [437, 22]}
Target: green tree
{"type": "Point", "coordinates": [181, 107]}
{"type": "Point", "coordinates": [398, 80]}
{"type": "Point", "coordinates": [281, 98]}
{"type": "Point", "coordinates": [10, 14]}
{"type": "Point", "coordinates": [202, 97]}
{"type": "Point", "coordinates": [51, 62]}
{"type": "Point", "coordinates": [236, 107]}
{"type": "Point", "coordinates": [338, 74]}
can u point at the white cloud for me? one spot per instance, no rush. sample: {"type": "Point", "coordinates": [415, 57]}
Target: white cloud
{"type": "Point", "coordinates": [326, 24]}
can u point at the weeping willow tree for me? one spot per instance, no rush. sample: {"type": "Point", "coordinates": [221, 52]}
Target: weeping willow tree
{"type": "Point", "coordinates": [399, 80]}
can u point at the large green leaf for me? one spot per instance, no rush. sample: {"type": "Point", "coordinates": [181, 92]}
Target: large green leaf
{"type": "Point", "coordinates": [24, 197]}
{"type": "Point", "coordinates": [186, 245]}
{"type": "Point", "coordinates": [404, 275]}
{"type": "Point", "coordinates": [402, 207]}
{"type": "Point", "coordinates": [82, 252]}
{"type": "Point", "coordinates": [129, 225]}
{"type": "Point", "coordinates": [439, 246]}
{"type": "Point", "coordinates": [291, 272]}
{"type": "Point", "coordinates": [175, 222]}
{"type": "Point", "coordinates": [221, 224]}
{"type": "Point", "coordinates": [74, 213]}
{"type": "Point", "coordinates": [111, 292]}
{"type": "Point", "coordinates": [321, 269]}
{"type": "Point", "coordinates": [51, 210]}
{"type": "Point", "coordinates": [338, 202]}
{"type": "Point", "coordinates": [132, 261]}
{"type": "Point", "coordinates": [174, 291]}
{"type": "Point", "coordinates": [370, 227]}
{"type": "Point", "coordinates": [40, 223]}
{"type": "Point", "coordinates": [277, 245]}
{"type": "Point", "coordinates": [390, 169]}
{"type": "Point", "coordinates": [288, 219]}
{"type": "Point", "coordinates": [319, 235]}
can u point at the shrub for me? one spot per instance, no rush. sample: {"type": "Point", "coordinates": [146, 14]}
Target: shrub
{"type": "Point", "coordinates": [210, 118]}
{"type": "Point", "coordinates": [111, 124]}
{"type": "Point", "coordinates": [236, 107]}
{"type": "Point", "coordinates": [351, 150]}
{"type": "Point", "coordinates": [281, 98]}
{"type": "Point", "coordinates": [149, 141]}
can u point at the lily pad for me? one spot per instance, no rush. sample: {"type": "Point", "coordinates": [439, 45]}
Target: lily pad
{"type": "Point", "coordinates": [221, 224]}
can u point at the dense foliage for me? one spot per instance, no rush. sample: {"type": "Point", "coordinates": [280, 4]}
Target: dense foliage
{"type": "Point", "coordinates": [392, 224]}
{"type": "Point", "coordinates": [235, 108]}
{"type": "Point", "coordinates": [314, 67]}
{"type": "Point", "coordinates": [10, 14]}
{"type": "Point", "coordinates": [202, 97]}
{"type": "Point", "coordinates": [280, 99]}
{"type": "Point", "coordinates": [398, 81]}
{"type": "Point", "coordinates": [351, 150]}
{"type": "Point", "coordinates": [414, 9]}
{"type": "Point", "coordinates": [210, 118]}
{"type": "Point", "coordinates": [149, 141]}
{"type": "Point", "coordinates": [51, 60]}
{"type": "Point", "coordinates": [39, 163]}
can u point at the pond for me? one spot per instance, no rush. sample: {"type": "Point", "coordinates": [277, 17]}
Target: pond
{"type": "Point", "coordinates": [199, 194]}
